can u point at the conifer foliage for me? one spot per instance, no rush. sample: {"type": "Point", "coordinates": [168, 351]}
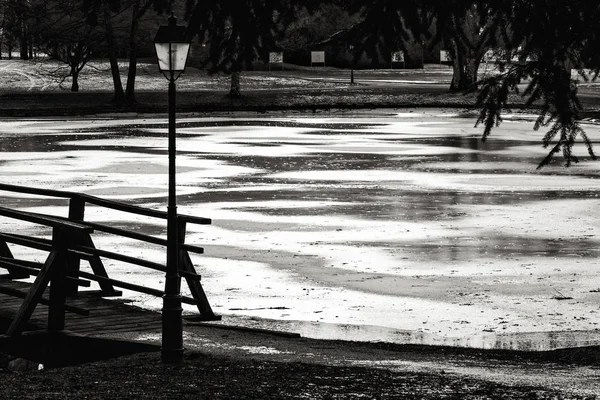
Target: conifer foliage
{"type": "Point", "coordinates": [238, 32]}
{"type": "Point", "coordinates": [546, 40]}
{"type": "Point", "coordinates": [383, 24]}
{"type": "Point", "coordinates": [540, 41]}
{"type": "Point", "coordinates": [465, 29]}
{"type": "Point", "coordinates": [461, 26]}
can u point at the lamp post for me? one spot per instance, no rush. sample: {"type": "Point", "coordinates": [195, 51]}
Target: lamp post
{"type": "Point", "coordinates": [172, 50]}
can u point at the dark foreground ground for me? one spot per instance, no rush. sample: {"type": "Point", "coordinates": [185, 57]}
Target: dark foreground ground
{"type": "Point", "coordinates": [227, 363]}
{"type": "Point", "coordinates": [206, 376]}
{"type": "Point", "coordinates": [202, 376]}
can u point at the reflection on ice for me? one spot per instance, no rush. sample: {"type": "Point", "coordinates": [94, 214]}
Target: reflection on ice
{"type": "Point", "coordinates": [521, 341]}
{"type": "Point", "coordinates": [526, 341]}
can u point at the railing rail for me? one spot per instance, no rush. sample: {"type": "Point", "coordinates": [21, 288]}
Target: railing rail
{"type": "Point", "coordinates": [111, 204]}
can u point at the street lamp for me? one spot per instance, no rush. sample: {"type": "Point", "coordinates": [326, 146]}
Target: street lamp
{"type": "Point", "coordinates": [172, 50]}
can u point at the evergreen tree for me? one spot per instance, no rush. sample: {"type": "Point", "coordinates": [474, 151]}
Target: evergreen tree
{"type": "Point", "coordinates": [383, 25]}
{"type": "Point", "coordinates": [461, 26]}
{"type": "Point", "coordinates": [548, 38]}
{"type": "Point", "coordinates": [465, 29]}
{"type": "Point", "coordinates": [315, 26]}
{"type": "Point", "coordinates": [237, 32]}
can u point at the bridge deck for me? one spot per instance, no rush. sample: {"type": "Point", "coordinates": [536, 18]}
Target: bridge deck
{"type": "Point", "coordinates": [106, 317]}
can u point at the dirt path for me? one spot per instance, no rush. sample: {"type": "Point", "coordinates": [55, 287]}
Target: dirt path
{"type": "Point", "coordinates": [19, 75]}
{"type": "Point", "coordinates": [569, 373]}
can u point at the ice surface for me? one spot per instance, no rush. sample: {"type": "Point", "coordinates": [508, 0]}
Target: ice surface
{"type": "Point", "coordinates": [393, 222]}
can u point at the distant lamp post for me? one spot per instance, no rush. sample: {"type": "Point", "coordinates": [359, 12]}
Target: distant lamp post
{"type": "Point", "coordinates": [172, 51]}
{"type": "Point", "coordinates": [351, 47]}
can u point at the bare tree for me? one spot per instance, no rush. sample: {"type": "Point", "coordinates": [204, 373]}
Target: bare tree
{"type": "Point", "coordinates": [107, 11]}
{"type": "Point", "coordinates": [67, 36]}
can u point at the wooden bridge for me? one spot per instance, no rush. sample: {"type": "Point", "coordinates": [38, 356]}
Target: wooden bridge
{"type": "Point", "coordinates": [69, 242]}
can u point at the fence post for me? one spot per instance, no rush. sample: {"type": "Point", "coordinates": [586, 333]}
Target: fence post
{"type": "Point", "coordinates": [196, 289]}
{"type": "Point", "coordinates": [54, 269]}
{"type": "Point", "coordinates": [76, 214]}
{"type": "Point", "coordinates": [58, 276]}
{"type": "Point", "coordinates": [181, 229]}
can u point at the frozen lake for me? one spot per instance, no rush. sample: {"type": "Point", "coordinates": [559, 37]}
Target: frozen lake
{"type": "Point", "coordinates": [383, 225]}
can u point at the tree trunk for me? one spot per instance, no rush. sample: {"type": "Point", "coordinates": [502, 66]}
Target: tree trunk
{"type": "Point", "coordinates": [464, 76]}
{"type": "Point", "coordinates": [23, 42]}
{"type": "Point", "coordinates": [468, 51]}
{"type": "Point", "coordinates": [75, 83]}
{"type": "Point", "coordinates": [119, 95]}
{"type": "Point", "coordinates": [235, 90]}
{"type": "Point", "coordinates": [465, 65]}
{"type": "Point", "coordinates": [30, 47]}
{"type": "Point", "coordinates": [456, 74]}
{"type": "Point", "coordinates": [472, 69]}
{"type": "Point", "coordinates": [9, 45]}
{"type": "Point", "coordinates": [132, 71]}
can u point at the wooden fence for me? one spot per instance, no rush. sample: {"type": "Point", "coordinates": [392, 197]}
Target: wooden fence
{"type": "Point", "coordinates": [71, 243]}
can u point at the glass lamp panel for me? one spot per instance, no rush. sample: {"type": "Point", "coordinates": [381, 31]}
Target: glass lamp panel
{"type": "Point", "coordinates": [179, 56]}
{"type": "Point", "coordinates": [162, 54]}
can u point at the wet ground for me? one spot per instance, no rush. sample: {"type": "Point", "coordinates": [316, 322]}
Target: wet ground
{"type": "Point", "coordinates": [397, 226]}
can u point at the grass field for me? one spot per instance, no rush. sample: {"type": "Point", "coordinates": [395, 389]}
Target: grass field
{"type": "Point", "coordinates": [32, 88]}
{"type": "Point", "coordinates": [37, 88]}
{"type": "Point", "coordinates": [46, 75]}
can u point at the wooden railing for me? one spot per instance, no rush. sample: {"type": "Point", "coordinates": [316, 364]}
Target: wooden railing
{"type": "Point", "coordinates": [71, 243]}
